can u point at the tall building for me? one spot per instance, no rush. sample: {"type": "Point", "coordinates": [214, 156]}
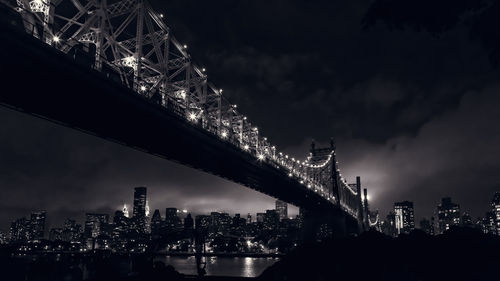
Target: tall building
{"type": "Point", "coordinates": [488, 224]}
{"type": "Point", "coordinates": [495, 209]}
{"type": "Point", "coordinates": [282, 209]}
{"type": "Point", "coordinates": [121, 224]}
{"type": "Point", "coordinates": [156, 224]}
{"type": "Point", "coordinates": [71, 231]}
{"type": "Point", "coordinates": [188, 222]}
{"type": "Point", "coordinates": [20, 230]}
{"type": "Point", "coordinates": [448, 214]}
{"type": "Point", "coordinates": [140, 209]}
{"type": "Point", "coordinates": [404, 217]}
{"type": "Point", "coordinates": [148, 218]}
{"type": "Point", "coordinates": [172, 220]}
{"type": "Point", "coordinates": [38, 224]}
{"type": "Point", "coordinates": [467, 220]}
{"type": "Point", "coordinates": [249, 218]}
{"type": "Point", "coordinates": [202, 223]}
{"type": "Point", "coordinates": [95, 224]}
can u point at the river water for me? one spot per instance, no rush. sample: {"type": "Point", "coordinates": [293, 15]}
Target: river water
{"type": "Point", "coordinates": [221, 266]}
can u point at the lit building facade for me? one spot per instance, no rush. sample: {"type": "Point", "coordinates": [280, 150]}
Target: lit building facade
{"type": "Point", "coordinates": [139, 211]}
{"type": "Point", "coordinates": [95, 224]}
{"type": "Point", "coordinates": [404, 217]}
{"type": "Point", "coordinates": [38, 224]}
{"type": "Point", "coordinates": [448, 214]}
{"type": "Point", "coordinates": [495, 209]}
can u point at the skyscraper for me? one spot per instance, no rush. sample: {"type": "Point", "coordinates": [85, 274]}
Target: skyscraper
{"type": "Point", "coordinates": [172, 220]}
{"type": "Point", "coordinates": [495, 209]}
{"type": "Point", "coordinates": [405, 220]}
{"type": "Point", "coordinates": [20, 230]}
{"type": "Point", "coordinates": [71, 231]}
{"type": "Point", "coordinates": [140, 209]}
{"type": "Point", "coordinates": [282, 209]}
{"type": "Point", "coordinates": [38, 224]}
{"type": "Point", "coordinates": [188, 222]}
{"type": "Point", "coordinates": [95, 224]}
{"type": "Point", "coordinates": [448, 214]}
{"type": "Point", "coordinates": [156, 224]}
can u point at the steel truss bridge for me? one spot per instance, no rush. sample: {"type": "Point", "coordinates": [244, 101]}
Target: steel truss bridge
{"type": "Point", "coordinates": [114, 69]}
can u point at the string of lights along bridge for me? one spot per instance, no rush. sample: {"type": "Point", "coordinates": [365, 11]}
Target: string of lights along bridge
{"type": "Point", "coordinates": [131, 43]}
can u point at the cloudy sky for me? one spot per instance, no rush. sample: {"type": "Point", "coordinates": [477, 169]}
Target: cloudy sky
{"type": "Point", "coordinates": [413, 103]}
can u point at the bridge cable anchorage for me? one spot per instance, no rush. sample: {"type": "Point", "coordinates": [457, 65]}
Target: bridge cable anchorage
{"type": "Point", "coordinates": [129, 42]}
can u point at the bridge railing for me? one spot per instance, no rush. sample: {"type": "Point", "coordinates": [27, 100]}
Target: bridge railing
{"type": "Point", "coordinates": [223, 121]}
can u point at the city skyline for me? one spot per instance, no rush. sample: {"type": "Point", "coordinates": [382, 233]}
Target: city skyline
{"type": "Point", "coordinates": [400, 219]}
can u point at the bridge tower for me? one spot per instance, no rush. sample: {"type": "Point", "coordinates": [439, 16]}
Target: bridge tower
{"type": "Point", "coordinates": [336, 222]}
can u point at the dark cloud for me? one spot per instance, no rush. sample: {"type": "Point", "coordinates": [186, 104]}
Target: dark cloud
{"type": "Point", "coordinates": [414, 113]}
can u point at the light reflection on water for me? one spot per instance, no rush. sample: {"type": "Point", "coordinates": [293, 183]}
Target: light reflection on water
{"type": "Point", "coordinates": [222, 266]}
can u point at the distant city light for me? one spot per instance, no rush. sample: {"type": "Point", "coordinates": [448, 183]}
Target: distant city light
{"type": "Point", "coordinates": [56, 39]}
{"type": "Point", "coordinates": [143, 88]}
{"type": "Point", "coordinates": [184, 211]}
{"type": "Point", "coordinates": [246, 147]}
{"type": "Point", "coordinates": [261, 157]}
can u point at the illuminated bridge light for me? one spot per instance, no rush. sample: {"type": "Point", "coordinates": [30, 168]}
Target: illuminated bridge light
{"type": "Point", "coordinates": [56, 39]}
{"type": "Point", "coordinates": [192, 116]}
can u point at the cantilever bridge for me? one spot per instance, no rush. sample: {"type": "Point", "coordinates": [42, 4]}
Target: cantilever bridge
{"type": "Point", "coordinates": [114, 69]}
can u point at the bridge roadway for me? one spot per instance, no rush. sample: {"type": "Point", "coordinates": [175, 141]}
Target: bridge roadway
{"type": "Point", "coordinates": [42, 81]}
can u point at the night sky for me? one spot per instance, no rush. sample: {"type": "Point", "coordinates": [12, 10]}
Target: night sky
{"type": "Point", "coordinates": [409, 92]}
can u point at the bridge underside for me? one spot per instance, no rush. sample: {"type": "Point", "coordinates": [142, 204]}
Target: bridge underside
{"type": "Point", "coordinates": [47, 83]}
